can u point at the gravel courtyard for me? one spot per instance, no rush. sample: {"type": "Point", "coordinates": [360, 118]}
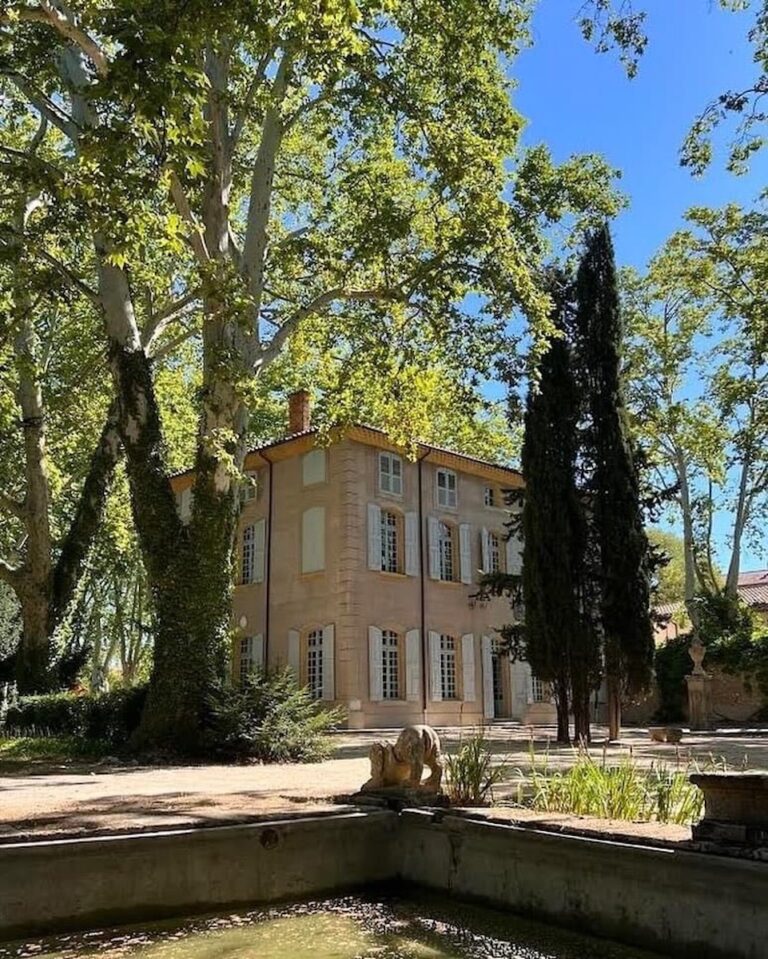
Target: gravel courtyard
{"type": "Point", "coordinates": [110, 797]}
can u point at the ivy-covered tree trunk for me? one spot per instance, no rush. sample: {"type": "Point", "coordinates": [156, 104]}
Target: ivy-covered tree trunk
{"type": "Point", "coordinates": [614, 490]}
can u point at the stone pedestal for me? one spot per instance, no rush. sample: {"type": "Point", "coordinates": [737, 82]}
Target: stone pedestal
{"type": "Point", "coordinates": [699, 700]}
{"type": "Point", "coordinates": [735, 808]}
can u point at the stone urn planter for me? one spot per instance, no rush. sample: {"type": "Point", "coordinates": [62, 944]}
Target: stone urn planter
{"type": "Point", "coordinates": [735, 808]}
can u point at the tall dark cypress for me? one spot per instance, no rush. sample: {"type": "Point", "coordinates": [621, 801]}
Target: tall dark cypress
{"type": "Point", "coordinates": [612, 480]}
{"type": "Point", "coordinates": [553, 526]}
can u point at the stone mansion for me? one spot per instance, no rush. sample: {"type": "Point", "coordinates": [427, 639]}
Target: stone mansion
{"type": "Point", "coordinates": [356, 566]}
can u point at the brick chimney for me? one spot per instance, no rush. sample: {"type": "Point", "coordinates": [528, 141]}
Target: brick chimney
{"type": "Point", "coordinates": [299, 418]}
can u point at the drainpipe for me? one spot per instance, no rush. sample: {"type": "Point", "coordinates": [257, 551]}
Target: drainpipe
{"type": "Point", "coordinates": [268, 560]}
{"type": "Point", "coordinates": [422, 569]}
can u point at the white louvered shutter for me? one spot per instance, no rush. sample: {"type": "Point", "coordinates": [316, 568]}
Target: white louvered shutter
{"type": "Point", "coordinates": [488, 710]}
{"type": "Point", "coordinates": [374, 536]}
{"type": "Point", "coordinates": [329, 663]}
{"type": "Point", "coordinates": [257, 652]}
{"type": "Point", "coordinates": [412, 665]}
{"type": "Point", "coordinates": [411, 544]}
{"type": "Point", "coordinates": [294, 652]}
{"type": "Point", "coordinates": [468, 666]}
{"type": "Point", "coordinates": [485, 551]}
{"type": "Point", "coordinates": [259, 540]}
{"type": "Point", "coordinates": [434, 666]}
{"type": "Point", "coordinates": [514, 549]}
{"type": "Point", "coordinates": [465, 552]}
{"type": "Point", "coordinates": [375, 676]}
{"type": "Point", "coordinates": [313, 540]}
{"type": "Point", "coordinates": [433, 528]}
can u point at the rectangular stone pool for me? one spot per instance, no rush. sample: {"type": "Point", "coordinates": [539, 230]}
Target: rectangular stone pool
{"type": "Point", "coordinates": [349, 927]}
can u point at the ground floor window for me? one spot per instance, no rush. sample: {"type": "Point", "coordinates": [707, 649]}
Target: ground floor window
{"type": "Point", "coordinates": [247, 658]}
{"type": "Point", "coordinates": [539, 690]}
{"type": "Point", "coordinates": [448, 666]}
{"type": "Point", "coordinates": [315, 663]}
{"type": "Point", "coordinates": [390, 664]}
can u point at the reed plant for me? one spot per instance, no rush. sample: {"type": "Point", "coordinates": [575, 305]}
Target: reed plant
{"type": "Point", "coordinates": [472, 772]}
{"type": "Point", "coordinates": [621, 789]}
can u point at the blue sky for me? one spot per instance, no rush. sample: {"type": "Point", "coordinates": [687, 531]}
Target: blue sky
{"type": "Point", "coordinates": [579, 102]}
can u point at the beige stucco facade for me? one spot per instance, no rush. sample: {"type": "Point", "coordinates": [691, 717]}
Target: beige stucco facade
{"type": "Point", "coordinates": [391, 647]}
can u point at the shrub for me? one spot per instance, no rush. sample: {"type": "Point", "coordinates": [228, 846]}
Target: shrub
{"type": "Point", "coordinates": [269, 718]}
{"type": "Point", "coordinates": [471, 772]}
{"type": "Point", "coordinates": [109, 718]}
{"type": "Point", "coordinates": [672, 664]}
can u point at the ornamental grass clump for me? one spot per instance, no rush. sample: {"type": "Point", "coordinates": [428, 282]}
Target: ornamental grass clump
{"type": "Point", "coordinates": [471, 772]}
{"type": "Point", "coordinates": [621, 790]}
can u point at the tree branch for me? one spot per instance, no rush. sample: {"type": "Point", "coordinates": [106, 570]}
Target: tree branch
{"type": "Point", "coordinates": [242, 114]}
{"type": "Point", "coordinates": [271, 351]}
{"type": "Point", "coordinates": [57, 18]}
{"type": "Point", "coordinates": [45, 107]}
{"type": "Point", "coordinates": [60, 267]}
{"type": "Point", "coordinates": [196, 238]}
{"type": "Point", "coordinates": [162, 318]}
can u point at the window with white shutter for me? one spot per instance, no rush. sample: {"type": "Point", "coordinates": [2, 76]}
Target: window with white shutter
{"type": "Point", "coordinates": [390, 542]}
{"type": "Point", "coordinates": [412, 559]}
{"type": "Point", "coordinates": [390, 474]}
{"type": "Point", "coordinates": [468, 667]}
{"type": "Point", "coordinates": [374, 536]}
{"type": "Point", "coordinates": [248, 555]}
{"type": "Point", "coordinates": [488, 697]}
{"type": "Point", "coordinates": [465, 553]}
{"type": "Point", "coordinates": [251, 655]}
{"type": "Point", "coordinates": [375, 659]}
{"type": "Point", "coordinates": [314, 663]}
{"type": "Point", "coordinates": [413, 690]}
{"type": "Point", "coordinates": [514, 556]}
{"type": "Point", "coordinates": [446, 539]}
{"type": "Point", "coordinates": [329, 663]}
{"type": "Point", "coordinates": [313, 540]}
{"type": "Point", "coordinates": [447, 495]}
{"type": "Point", "coordinates": [448, 685]}
{"type": "Point", "coordinates": [313, 467]}
{"type": "Point", "coordinates": [250, 486]}
{"type": "Point", "coordinates": [259, 549]}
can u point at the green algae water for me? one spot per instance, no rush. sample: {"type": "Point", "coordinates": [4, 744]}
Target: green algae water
{"type": "Point", "coordinates": [342, 928]}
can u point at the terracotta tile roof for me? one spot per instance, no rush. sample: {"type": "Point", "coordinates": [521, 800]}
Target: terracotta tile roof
{"type": "Point", "coordinates": [430, 447]}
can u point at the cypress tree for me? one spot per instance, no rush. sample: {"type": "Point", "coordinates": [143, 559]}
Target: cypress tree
{"type": "Point", "coordinates": [553, 529]}
{"type": "Point", "coordinates": [612, 487]}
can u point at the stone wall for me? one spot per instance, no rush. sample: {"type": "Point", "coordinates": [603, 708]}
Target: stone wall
{"type": "Point", "coordinates": [662, 898]}
{"type": "Point", "coordinates": [734, 700]}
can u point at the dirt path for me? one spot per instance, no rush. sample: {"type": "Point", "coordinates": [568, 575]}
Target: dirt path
{"type": "Point", "coordinates": [108, 798]}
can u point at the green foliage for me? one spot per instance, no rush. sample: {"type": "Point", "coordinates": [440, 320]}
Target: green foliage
{"type": "Point", "coordinates": [26, 749]}
{"type": "Point", "coordinates": [736, 639]}
{"type": "Point", "coordinates": [670, 577]}
{"type": "Point", "coordinates": [472, 773]}
{"type": "Point", "coordinates": [672, 664]}
{"type": "Point", "coordinates": [624, 790]}
{"type": "Point", "coordinates": [698, 382]}
{"type": "Point", "coordinates": [612, 485]}
{"type": "Point", "coordinates": [269, 718]}
{"type": "Point", "coordinates": [108, 718]}
{"type": "Point", "coordinates": [560, 645]}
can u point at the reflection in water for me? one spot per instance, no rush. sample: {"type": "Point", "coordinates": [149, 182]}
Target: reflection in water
{"type": "Point", "coordinates": [347, 928]}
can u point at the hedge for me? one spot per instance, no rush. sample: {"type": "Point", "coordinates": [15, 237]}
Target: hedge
{"type": "Point", "coordinates": [110, 717]}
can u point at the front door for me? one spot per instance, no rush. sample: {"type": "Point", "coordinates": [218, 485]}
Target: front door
{"type": "Point", "coordinates": [498, 687]}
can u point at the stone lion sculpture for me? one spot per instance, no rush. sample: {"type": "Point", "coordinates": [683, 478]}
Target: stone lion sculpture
{"type": "Point", "coordinates": [402, 764]}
